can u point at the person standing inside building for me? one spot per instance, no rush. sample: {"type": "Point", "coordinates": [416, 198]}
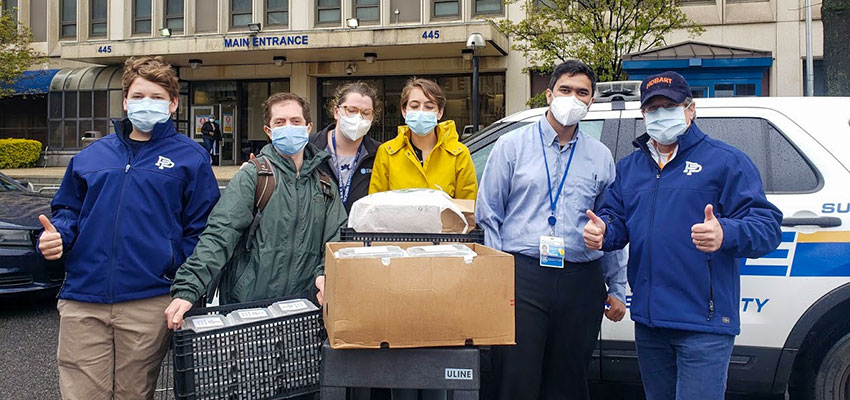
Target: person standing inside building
{"type": "Point", "coordinates": [536, 185]}
{"type": "Point", "coordinates": [355, 107]}
{"type": "Point", "coordinates": [129, 210]}
{"type": "Point", "coordinates": [212, 135]}
{"type": "Point", "coordinates": [286, 255]}
{"type": "Point", "coordinates": [688, 206]}
{"type": "Point", "coordinates": [425, 154]}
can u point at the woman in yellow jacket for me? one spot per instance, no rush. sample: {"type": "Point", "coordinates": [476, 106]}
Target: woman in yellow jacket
{"type": "Point", "coordinates": [425, 154]}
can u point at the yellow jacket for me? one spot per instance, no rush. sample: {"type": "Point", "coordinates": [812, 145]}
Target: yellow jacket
{"type": "Point", "coordinates": [448, 168]}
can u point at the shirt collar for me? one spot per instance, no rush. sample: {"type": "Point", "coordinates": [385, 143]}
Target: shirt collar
{"type": "Point", "coordinates": [551, 137]}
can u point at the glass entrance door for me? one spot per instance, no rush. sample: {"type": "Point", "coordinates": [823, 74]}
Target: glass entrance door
{"type": "Point", "coordinates": [229, 137]}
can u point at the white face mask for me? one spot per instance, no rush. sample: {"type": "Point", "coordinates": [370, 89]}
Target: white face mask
{"type": "Point", "coordinates": [568, 110]}
{"type": "Point", "coordinates": [665, 126]}
{"type": "Point", "coordinates": [353, 127]}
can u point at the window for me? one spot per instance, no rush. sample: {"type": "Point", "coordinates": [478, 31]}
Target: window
{"type": "Point", "coordinates": [724, 90]}
{"type": "Point", "coordinates": [240, 13]}
{"type": "Point", "coordinates": [780, 164]}
{"type": "Point", "coordinates": [446, 8]}
{"type": "Point", "coordinates": [12, 7]}
{"type": "Point", "coordinates": [734, 89]}
{"type": "Point", "coordinates": [98, 18]}
{"type": "Point", "coordinates": [328, 11]}
{"type": "Point", "coordinates": [206, 16]}
{"type": "Point", "coordinates": [142, 16]}
{"type": "Point", "coordinates": [68, 21]}
{"type": "Point", "coordinates": [174, 15]}
{"type": "Point", "coordinates": [789, 171]}
{"type": "Point", "coordinates": [405, 11]}
{"type": "Point", "coordinates": [277, 12]}
{"type": "Point", "coordinates": [488, 7]}
{"type": "Point", "coordinates": [545, 4]}
{"type": "Point", "coordinates": [367, 10]}
{"type": "Point", "coordinates": [38, 24]}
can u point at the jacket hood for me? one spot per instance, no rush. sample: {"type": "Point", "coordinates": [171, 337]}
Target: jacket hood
{"type": "Point", "coordinates": [447, 137]}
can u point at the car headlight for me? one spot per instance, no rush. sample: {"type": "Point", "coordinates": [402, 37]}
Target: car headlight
{"type": "Point", "coordinates": [15, 237]}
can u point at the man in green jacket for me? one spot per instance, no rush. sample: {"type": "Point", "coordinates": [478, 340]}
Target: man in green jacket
{"type": "Point", "coordinates": [286, 255]}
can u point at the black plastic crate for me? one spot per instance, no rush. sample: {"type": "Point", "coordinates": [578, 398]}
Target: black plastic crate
{"type": "Point", "coordinates": [277, 358]}
{"type": "Point", "coordinates": [349, 235]}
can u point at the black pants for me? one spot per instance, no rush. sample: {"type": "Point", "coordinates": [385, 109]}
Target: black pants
{"type": "Point", "coordinates": [558, 314]}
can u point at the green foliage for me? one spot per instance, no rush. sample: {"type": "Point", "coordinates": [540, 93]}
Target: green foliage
{"type": "Point", "coordinates": [16, 56]}
{"type": "Point", "coordinates": [538, 100]}
{"type": "Point", "coordinates": [598, 32]}
{"type": "Point", "coordinates": [19, 153]}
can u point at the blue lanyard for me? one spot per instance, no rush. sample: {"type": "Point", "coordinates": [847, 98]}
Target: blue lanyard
{"type": "Point", "coordinates": [554, 202]}
{"type": "Point", "coordinates": [344, 190]}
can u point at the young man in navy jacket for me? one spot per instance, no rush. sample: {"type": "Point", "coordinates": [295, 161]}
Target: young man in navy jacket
{"type": "Point", "coordinates": [689, 206]}
{"type": "Point", "coordinates": [129, 211]}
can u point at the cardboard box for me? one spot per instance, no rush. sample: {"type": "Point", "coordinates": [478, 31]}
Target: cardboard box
{"type": "Point", "coordinates": [419, 302]}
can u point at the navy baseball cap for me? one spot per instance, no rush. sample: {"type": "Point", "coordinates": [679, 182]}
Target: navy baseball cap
{"type": "Point", "coordinates": [668, 84]}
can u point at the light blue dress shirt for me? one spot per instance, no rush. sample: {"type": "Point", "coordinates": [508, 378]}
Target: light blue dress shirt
{"type": "Point", "coordinates": [513, 204]}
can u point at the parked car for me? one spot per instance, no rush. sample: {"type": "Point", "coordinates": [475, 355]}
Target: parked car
{"type": "Point", "coordinates": [22, 268]}
{"type": "Point", "coordinates": [795, 306]}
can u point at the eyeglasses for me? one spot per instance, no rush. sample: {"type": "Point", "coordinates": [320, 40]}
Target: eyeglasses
{"type": "Point", "coordinates": [350, 111]}
{"type": "Point", "coordinates": [669, 106]}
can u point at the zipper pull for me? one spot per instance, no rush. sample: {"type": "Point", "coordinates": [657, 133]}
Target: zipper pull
{"type": "Point", "coordinates": [710, 310]}
{"type": "Point", "coordinates": [127, 168]}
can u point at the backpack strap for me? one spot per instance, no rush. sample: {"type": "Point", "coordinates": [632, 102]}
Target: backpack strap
{"type": "Point", "coordinates": [262, 193]}
{"type": "Point", "coordinates": [325, 185]}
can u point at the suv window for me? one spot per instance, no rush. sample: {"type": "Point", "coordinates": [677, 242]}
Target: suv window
{"type": "Point", "coordinates": [781, 166]}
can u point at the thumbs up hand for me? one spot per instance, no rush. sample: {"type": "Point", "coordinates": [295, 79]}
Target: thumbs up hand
{"type": "Point", "coordinates": [594, 231]}
{"type": "Point", "coordinates": [50, 241]}
{"type": "Point", "coordinates": [708, 236]}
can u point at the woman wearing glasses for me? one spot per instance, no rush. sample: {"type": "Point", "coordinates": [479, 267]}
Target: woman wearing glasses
{"type": "Point", "coordinates": [426, 154]}
{"type": "Point", "coordinates": [355, 106]}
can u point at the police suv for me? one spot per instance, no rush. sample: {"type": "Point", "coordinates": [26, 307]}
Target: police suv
{"type": "Point", "coordinates": [795, 305]}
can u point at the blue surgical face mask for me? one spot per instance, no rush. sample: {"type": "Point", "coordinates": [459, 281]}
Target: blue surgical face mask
{"type": "Point", "coordinates": [665, 126]}
{"type": "Point", "coordinates": [290, 139]}
{"type": "Point", "coordinates": [147, 112]}
{"type": "Point", "coordinates": [421, 122]}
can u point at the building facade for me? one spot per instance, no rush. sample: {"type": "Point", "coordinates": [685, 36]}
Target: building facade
{"type": "Point", "coordinates": [231, 54]}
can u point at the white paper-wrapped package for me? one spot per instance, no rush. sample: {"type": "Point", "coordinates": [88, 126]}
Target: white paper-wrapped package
{"type": "Point", "coordinates": [408, 211]}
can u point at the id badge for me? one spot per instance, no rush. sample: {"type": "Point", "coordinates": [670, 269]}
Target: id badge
{"type": "Point", "coordinates": [551, 252]}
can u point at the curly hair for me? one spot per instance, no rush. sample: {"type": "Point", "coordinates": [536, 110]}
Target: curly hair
{"type": "Point", "coordinates": [154, 69]}
{"type": "Point", "coordinates": [361, 88]}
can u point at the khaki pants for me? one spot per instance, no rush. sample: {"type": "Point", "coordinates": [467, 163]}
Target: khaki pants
{"type": "Point", "coordinates": [111, 351]}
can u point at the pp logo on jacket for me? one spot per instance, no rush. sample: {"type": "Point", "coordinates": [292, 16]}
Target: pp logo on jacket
{"type": "Point", "coordinates": [690, 168]}
{"type": "Point", "coordinates": [164, 163]}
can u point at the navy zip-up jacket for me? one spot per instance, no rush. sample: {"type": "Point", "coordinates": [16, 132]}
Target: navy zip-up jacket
{"type": "Point", "coordinates": [127, 222]}
{"type": "Point", "coordinates": [674, 285]}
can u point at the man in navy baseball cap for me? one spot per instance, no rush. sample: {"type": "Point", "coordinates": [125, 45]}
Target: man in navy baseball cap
{"type": "Point", "coordinates": [668, 84]}
{"type": "Point", "coordinates": [689, 207]}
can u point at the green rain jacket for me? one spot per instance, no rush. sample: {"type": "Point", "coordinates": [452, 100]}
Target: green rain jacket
{"type": "Point", "coordinates": [287, 252]}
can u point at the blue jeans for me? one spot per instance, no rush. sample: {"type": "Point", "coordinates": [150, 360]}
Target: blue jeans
{"type": "Point", "coordinates": [208, 144]}
{"type": "Point", "coordinates": [682, 365]}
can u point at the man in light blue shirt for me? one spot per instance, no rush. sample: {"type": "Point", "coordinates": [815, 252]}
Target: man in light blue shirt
{"type": "Point", "coordinates": [536, 187]}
